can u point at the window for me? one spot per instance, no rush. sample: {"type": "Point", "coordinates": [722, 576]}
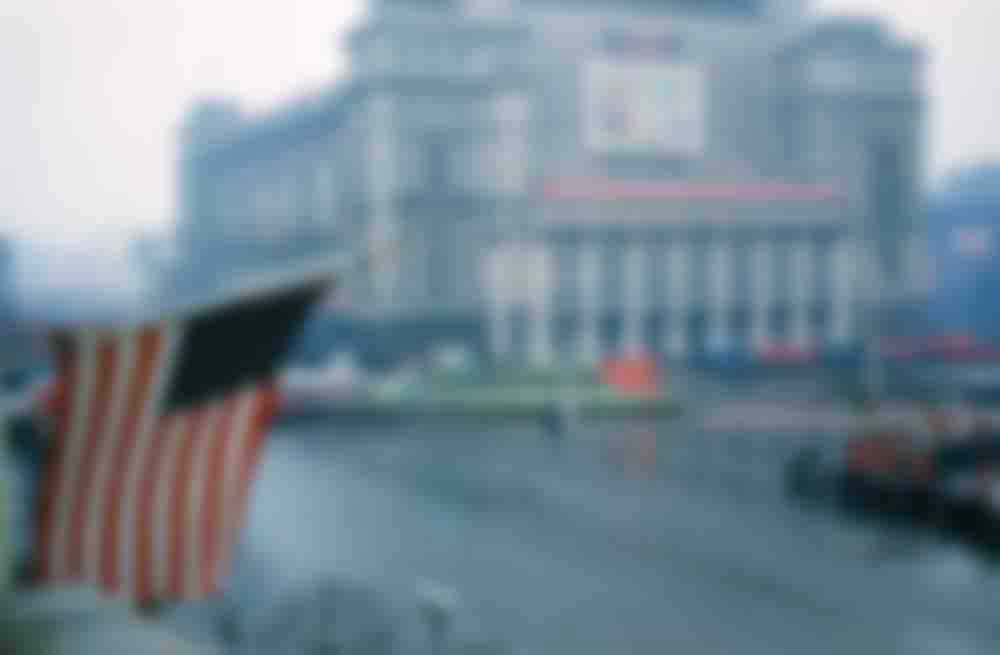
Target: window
{"type": "Point", "coordinates": [833, 75]}
{"type": "Point", "coordinates": [919, 265]}
{"type": "Point", "coordinates": [566, 276]}
{"type": "Point", "coordinates": [720, 277]}
{"type": "Point", "coordinates": [698, 273]}
{"type": "Point", "coordinates": [655, 276]}
{"type": "Point", "coordinates": [437, 163]}
{"type": "Point", "coordinates": [635, 277]}
{"type": "Point", "coordinates": [412, 171]}
{"type": "Point", "coordinates": [382, 59]}
{"type": "Point", "coordinates": [719, 271]}
{"type": "Point", "coordinates": [761, 274]}
{"type": "Point", "coordinates": [589, 276]}
{"type": "Point", "coordinates": [265, 223]}
{"type": "Point", "coordinates": [466, 165]}
{"type": "Point", "coordinates": [512, 109]}
{"type": "Point", "coordinates": [510, 158]}
{"type": "Point", "coordinates": [613, 265]}
{"type": "Point", "coordinates": [842, 264]}
{"type": "Point", "coordinates": [324, 198]}
{"type": "Point", "coordinates": [679, 277]}
{"type": "Point", "coordinates": [380, 162]}
{"type": "Point", "coordinates": [761, 290]}
{"type": "Point", "coordinates": [801, 273]}
{"type": "Point", "coordinates": [228, 205]}
{"type": "Point", "coordinates": [441, 266]}
{"type": "Point", "coordinates": [781, 260]}
{"type": "Point", "coordinates": [478, 60]}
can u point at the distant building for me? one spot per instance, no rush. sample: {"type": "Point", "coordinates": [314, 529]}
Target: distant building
{"type": "Point", "coordinates": [7, 278]}
{"type": "Point", "coordinates": [690, 177]}
{"type": "Point", "coordinates": [964, 230]}
{"type": "Point", "coordinates": [15, 346]}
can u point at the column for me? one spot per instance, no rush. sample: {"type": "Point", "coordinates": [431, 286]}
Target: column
{"type": "Point", "coordinates": [382, 180]}
{"type": "Point", "coordinates": [802, 287]}
{"type": "Point", "coordinates": [589, 263]}
{"type": "Point", "coordinates": [720, 287]}
{"type": "Point", "coordinates": [635, 295]}
{"type": "Point", "coordinates": [538, 278]}
{"type": "Point", "coordinates": [499, 305]}
{"type": "Point", "coordinates": [842, 279]}
{"type": "Point", "coordinates": [762, 293]}
{"type": "Point", "coordinates": [512, 113]}
{"type": "Point", "coordinates": [919, 273]}
{"type": "Point", "coordinates": [324, 194]}
{"type": "Point", "coordinates": [678, 298]}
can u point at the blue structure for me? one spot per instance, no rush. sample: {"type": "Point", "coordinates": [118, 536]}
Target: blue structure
{"type": "Point", "coordinates": [964, 233]}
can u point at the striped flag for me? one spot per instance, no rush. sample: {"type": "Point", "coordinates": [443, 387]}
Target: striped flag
{"type": "Point", "coordinates": [156, 433]}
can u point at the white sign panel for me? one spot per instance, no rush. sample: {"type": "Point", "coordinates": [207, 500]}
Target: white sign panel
{"type": "Point", "coordinates": [643, 105]}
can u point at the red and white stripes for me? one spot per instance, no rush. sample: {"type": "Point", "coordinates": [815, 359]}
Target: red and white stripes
{"type": "Point", "coordinates": [143, 503]}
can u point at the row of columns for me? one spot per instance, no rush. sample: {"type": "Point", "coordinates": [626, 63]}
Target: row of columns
{"type": "Point", "coordinates": [531, 282]}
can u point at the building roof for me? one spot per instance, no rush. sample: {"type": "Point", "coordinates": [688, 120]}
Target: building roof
{"type": "Point", "coordinates": [713, 8]}
{"type": "Point", "coordinates": [726, 7]}
{"type": "Point", "coordinates": [854, 36]}
{"type": "Point", "coordinates": [455, 26]}
{"type": "Point", "coordinates": [292, 120]}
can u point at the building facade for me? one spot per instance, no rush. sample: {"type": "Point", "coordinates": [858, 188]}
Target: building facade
{"type": "Point", "coordinates": [964, 226]}
{"type": "Point", "coordinates": [688, 177]}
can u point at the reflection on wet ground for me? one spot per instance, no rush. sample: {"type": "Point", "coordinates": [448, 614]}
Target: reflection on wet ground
{"type": "Point", "coordinates": [630, 539]}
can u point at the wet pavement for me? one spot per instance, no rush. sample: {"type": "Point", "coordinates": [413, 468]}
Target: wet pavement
{"type": "Point", "coordinates": [627, 537]}
{"type": "Point", "coordinates": [631, 538]}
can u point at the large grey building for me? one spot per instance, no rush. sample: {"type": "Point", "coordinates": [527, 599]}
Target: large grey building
{"type": "Point", "coordinates": [573, 177]}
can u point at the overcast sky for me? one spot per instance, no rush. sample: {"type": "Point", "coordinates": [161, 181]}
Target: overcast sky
{"type": "Point", "coordinates": [93, 91]}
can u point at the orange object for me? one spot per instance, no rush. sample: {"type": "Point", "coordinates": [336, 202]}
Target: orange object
{"type": "Point", "coordinates": [633, 375]}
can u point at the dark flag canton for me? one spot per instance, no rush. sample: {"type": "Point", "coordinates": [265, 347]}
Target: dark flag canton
{"type": "Point", "coordinates": [233, 346]}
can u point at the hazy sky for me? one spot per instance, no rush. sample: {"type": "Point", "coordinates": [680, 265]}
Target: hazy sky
{"type": "Point", "coordinates": [93, 91]}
